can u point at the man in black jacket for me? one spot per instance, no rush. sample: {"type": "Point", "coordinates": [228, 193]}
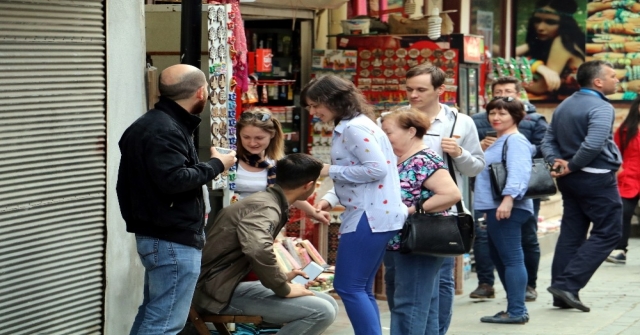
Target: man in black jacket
{"type": "Point", "coordinates": [161, 197]}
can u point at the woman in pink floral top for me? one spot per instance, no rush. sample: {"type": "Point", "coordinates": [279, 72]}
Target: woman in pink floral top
{"type": "Point", "coordinates": [424, 181]}
{"type": "Point", "coordinates": [363, 170]}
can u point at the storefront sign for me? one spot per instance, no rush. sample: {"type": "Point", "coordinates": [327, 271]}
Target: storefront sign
{"type": "Point", "coordinates": [473, 49]}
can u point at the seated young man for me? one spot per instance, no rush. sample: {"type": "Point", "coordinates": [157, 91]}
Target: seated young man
{"type": "Point", "coordinates": [239, 274]}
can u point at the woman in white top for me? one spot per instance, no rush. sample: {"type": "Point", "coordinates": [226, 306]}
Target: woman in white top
{"type": "Point", "coordinates": [365, 178]}
{"type": "Point", "coordinates": [261, 144]}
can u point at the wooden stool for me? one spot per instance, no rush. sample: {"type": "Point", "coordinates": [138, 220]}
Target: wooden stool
{"type": "Point", "coordinates": [219, 321]}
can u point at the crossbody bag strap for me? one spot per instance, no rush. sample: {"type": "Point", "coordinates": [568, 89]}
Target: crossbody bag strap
{"type": "Point", "coordinates": [450, 163]}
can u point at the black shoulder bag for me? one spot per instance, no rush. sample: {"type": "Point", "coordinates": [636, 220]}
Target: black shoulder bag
{"type": "Point", "coordinates": [438, 235]}
{"type": "Point", "coordinates": [541, 183]}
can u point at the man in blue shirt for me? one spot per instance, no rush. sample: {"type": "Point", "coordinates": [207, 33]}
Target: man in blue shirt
{"type": "Point", "coordinates": [579, 144]}
{"type": "Point", "coordinates": [533, 127]}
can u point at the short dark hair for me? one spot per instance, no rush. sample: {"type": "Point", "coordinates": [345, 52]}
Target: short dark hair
{"type": "Point", "coordinates": [295, 170]}
{"type": "Point", "coordinates": [588, 71]}
{"type": "Point", "coordinates": [437, 74]}
{"type": "Point", "coordinates": [409, 117]}
{"type": "Point", "coordinates": [184, 88]}
{"type": "Point", "coordinates": [512, 105]}
{"type": "Point", "coordinates": [339, 95]}
{"type": "Point", "coordinates": [507, 80]}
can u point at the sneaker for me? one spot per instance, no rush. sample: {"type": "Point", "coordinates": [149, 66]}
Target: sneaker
{"type": "Point", "coordinates": [484, 291]}
{"type": "Point", "coordinates": [530, 294]}
{"type": "Point", "coordinates": [617, 257]}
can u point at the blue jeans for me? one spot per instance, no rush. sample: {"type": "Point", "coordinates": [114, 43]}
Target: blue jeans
{"type": "Point", "coordinates": [308, 315]}
{"type": "Point", "coordinates": [359, 257]}
{"type": "Point", "coordinates": [411, 280]}
{"type": "Point", "coordinates": [442, 300]}
{"type": "Point", "coordinates": [505, 247]}
{"type": "Point", "coordinates": [587, 198]}
{"type": "Point", "coordinates": [530, 248]}
{"type": "Point", "coordinates": [171, 272]}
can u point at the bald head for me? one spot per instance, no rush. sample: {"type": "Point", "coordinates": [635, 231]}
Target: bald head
{"type": "Point", "coordinates": [180, 82]}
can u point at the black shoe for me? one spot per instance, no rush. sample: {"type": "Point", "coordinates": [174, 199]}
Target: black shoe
{"type": "Point", "coordinates": [503, 317]}
{"type": "Point", "coordinates": [617, 257]}
{"type": "Point", "coordinates": [561, 304]}
{"type": "Point", "coordinates": [568, 298]}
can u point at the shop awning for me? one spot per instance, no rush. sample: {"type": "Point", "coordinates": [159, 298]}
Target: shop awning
{"type": "Point", "coordinates": [301, 9]}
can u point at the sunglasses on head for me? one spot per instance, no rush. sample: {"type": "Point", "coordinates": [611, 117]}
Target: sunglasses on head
{"type": "Point", "coordinates": [505, 99]}
{"type": "Point", "coordinates": [551, 22]}
{"type": "Point", "coordinates": [258, 116]}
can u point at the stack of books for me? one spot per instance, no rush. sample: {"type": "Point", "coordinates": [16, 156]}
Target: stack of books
{"type": "Point", "coordinates": [293, 253]}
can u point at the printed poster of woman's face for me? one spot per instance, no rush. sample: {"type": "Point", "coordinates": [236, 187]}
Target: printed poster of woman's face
{"type": "Point", "coordinates": [551, 36]}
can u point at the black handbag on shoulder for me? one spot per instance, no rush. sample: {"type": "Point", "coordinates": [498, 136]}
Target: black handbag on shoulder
{"type": "Point", "coordinates": [541, 183]}
{"type": "Point", "coordinates": [432, 235]}
{"type": "Point", "coordinates": [427, 234]}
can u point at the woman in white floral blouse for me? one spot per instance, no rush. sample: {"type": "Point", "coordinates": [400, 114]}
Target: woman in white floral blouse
{"type": "Point", "coordinates": [363, 169]}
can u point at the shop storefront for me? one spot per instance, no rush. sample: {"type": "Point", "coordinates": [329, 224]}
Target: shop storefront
{"type": "Point", "coordinates": [59, 62]}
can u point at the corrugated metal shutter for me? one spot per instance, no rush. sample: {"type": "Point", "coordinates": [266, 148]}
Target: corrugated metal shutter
{"type": "Point", "coordinates": [52, 166]}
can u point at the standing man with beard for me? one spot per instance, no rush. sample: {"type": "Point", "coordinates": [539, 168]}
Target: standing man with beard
{"type": "Point", "coordinates": [425, 85]}
{"type": "Point", "coordinates": [579, 144]}
{"type": "Point", "coordinates": [161, 197]}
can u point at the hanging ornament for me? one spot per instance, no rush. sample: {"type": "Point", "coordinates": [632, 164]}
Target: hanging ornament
{"type": "Point", "coordinates": [409, 7]}
{"type": "Point", "coordinates": [434, 24]}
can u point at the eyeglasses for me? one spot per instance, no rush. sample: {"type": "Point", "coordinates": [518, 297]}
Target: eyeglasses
{"type": "Point", "coordinates": [499, 93]}
{"type": "Point", "coordinates": [257, 116]}
{"type": "Point", "coordinates": [505, 99]}
{"type": "Point", "coordinates": [551, 22]}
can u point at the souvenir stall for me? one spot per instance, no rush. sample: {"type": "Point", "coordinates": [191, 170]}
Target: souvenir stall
{"type": "Point", "coordinates": [378, 64]}
{"type": "Point", "coordinates": [228, 33]}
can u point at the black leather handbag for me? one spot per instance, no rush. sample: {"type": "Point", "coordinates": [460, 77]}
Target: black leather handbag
{"type": "Point", "coordinates": [541, 183]}
{"type": "Point", "coordinates": [426, 234]}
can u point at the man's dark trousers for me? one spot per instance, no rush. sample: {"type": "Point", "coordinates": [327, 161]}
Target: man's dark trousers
{"type": "Point", "coordinates": [587, 197]}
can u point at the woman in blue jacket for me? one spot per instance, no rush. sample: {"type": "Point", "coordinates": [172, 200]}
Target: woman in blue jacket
{"type": "Point", "coordinates": [506, 214]}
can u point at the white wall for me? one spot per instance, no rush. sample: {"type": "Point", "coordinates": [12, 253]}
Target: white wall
{"type": "Point", "coordinates": [125, 103]}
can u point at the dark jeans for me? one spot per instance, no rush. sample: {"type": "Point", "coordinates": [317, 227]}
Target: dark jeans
{"type": "Point", "coordinates": [628, 208]}
{"type": "Point", "coordinates": [587, 198]}
{"type": "Point", "coordinates": [505, 248]}
{"type": "Point", "coordinates": [530, 247]}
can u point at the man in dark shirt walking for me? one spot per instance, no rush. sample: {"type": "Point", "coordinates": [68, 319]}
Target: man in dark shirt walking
{"type": "Point", "coordinates": [579, 144]}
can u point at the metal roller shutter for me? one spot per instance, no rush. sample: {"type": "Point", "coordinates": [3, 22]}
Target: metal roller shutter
{"type": "Point", "coordinates": [52, 166]}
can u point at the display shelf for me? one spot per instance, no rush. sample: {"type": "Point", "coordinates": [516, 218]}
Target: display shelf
{"type": "Point", "coordinates": [276, 82]}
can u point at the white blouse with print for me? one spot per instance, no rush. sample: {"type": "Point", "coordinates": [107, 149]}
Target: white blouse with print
{"type": "Point", "coordinates": [365, 177]}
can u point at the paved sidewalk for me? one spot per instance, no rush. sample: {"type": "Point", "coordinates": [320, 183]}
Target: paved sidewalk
{"type": "Point", "coordinates": [613, 295]}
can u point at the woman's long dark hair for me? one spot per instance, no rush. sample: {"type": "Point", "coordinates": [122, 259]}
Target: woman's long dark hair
{"type": "Point", "coordinates": [629, 127]}
{"type": "Point", "coordinates": [570, 33]}
{"type": "Point", "coordinates": [340, 96]}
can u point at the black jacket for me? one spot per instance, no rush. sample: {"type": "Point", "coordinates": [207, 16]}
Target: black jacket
{"type": "Point", "coordinates": [160, 178]}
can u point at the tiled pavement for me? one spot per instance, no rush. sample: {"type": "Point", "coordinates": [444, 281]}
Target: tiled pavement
{"type": "Point", "coordinates": [613, 295]}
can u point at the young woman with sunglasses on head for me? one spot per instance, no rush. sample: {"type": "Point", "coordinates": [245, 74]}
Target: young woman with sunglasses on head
{"type": "Point", "coordinates": [261, 144]}
{"type": "Point", "coordinates": [506, 215]}
{"type": "Point", "coordinates": [365, 176]}
{"type": "Point", "coordinates": [554, 46]}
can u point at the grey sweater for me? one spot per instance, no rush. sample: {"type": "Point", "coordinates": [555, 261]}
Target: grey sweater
{"type": "Point", "coordinates": [581, 133]}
